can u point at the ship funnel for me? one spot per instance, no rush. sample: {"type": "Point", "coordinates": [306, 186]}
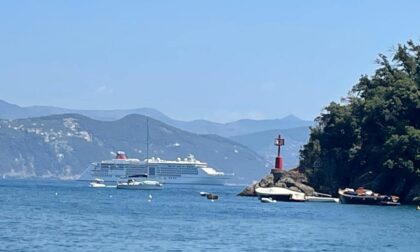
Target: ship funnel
{"type": "Point", "coordinates": [121, 155]}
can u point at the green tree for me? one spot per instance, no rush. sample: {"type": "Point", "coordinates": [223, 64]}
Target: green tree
{"type": "Point", "coordinates": [372, 138]}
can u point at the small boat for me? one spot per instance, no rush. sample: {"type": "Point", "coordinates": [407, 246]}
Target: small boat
{"type": "Point", "coordinates": [321, 199]}
{"type": "Point", "coordinates": [212, 196]}
{"type": "Point", "coordinates": [418, 207]}
{"type": "Point", "coordinates": [139, 182]}
{"type": "Point", "coordinates": [366, 197]}
{"type": "Point", "coordinates": [267, 200]}
{"type": "Point", "coordinates": [204, 193]}
{"type": "Point", "coordinates": [280, 194]}
{"type": "Point", "coordinates": [97, 183]}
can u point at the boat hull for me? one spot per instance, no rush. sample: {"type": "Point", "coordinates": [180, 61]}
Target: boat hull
{"type": "Point", "coordinates": [280, 198]}
{"type": "Point", "coordinates": [181, 180]}
{"type": "Point", "coordinates": [199, 179]}
{"type": "Point", "coordinates": [379, 200]}
{"type": "Point", "coordinates": [280, 194]}
{"type": "Point", "coordinates": [97, 185]}
{"type": "Point", "coordinates": [267, 200]}
{"type": "Point", "coordinates": [139, 187]}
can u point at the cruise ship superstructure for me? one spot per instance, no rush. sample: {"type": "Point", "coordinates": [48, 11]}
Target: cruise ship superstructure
{"type": "Point", "coordinates": [180, 171]}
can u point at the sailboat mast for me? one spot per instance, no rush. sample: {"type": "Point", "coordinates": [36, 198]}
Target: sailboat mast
{"type": "Point", "coordinates": [147, 142]}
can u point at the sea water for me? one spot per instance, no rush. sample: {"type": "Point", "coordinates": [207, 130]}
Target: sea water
{"type": "Point", "coordinates": [70, 216]}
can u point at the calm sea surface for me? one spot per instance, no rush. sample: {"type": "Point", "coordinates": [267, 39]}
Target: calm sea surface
{"type": "Point", "coordinates": [70, 216]}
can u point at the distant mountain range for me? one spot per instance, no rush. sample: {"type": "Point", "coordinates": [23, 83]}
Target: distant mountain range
{"type": "Point", "coordinates": [256, 135]}
{"type": "Point", "coordinates": [240, 127]}
{"type": "Point", "coordinates": [64, 145]}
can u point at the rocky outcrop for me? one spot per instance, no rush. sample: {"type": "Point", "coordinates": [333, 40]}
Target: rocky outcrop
{"type": "Point", "coordinates": [249, 191]}
{"type": "Point", "coordinates": [292, 179]}
{"type": "Point", "coordinates": [267, 181]}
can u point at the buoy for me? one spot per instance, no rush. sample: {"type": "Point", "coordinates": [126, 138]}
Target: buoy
{"type": "Point", "coordinates": [56, 193]}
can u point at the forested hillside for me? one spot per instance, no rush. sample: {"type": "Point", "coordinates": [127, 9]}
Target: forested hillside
{"type": "Point", "coordinates": [372, 137]}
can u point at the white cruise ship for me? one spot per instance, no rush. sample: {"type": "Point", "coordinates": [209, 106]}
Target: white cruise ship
{"type": "Point", "coordinates": [186, 171]}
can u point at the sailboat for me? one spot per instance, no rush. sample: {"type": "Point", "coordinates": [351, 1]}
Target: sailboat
{"type": "Point", "coordinates": [140, 181]}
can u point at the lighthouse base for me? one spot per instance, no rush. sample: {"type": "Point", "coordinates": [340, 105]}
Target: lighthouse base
{"type": "Point", "coordinates": [279, 163]}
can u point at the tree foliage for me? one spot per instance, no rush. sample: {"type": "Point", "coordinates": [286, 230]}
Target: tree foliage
{"type": "Point", "coordinates": [371, 138]}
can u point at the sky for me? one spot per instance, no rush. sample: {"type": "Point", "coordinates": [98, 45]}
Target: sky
{"type": "Point", "coordinates": [215, 60]}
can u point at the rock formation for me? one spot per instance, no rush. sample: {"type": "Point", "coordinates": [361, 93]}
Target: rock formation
{"type": "Point", "coordinates": [292, 179]}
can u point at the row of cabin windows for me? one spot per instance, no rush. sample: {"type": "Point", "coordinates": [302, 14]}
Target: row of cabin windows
{"type": "Point", "coordinates": [160, 170]}
{"type": "Point", "coordinates": [137, 166]}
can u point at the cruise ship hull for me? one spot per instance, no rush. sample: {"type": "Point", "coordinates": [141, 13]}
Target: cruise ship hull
{"type": "Point", "coordinates": [220, 180]}
{"type": "Point", "coordinates": [200, 179]}
{"type": "Point", "coordinates": [186, 171]}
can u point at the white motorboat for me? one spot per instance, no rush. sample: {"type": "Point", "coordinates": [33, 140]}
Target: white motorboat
{"type": "Point", "coordinates": [97, 183]}
{"type": "Point", "coordinates": [139, 182]}
{"type": "Point", "coordinates": [267, 200]}
{"type": "Point", "coordinates": [280, 194]}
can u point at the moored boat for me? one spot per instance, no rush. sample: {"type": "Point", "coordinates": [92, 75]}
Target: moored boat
{"type": "Point", "coordinates": [280, 194]}
{"type": "Point", "coordinates": [267, 200]}
{"type": "Point", "coordinates": [139, 182]}
{"type": "Point", "coordinates": [363, 196]}
{"type": "Point", "coordinates": [97, 183]}
{"type": "Point", "coordinates": [212, 196]}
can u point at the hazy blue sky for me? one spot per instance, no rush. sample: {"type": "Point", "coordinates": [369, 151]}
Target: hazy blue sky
{"type": "Point", "coordinates": [218, 60]}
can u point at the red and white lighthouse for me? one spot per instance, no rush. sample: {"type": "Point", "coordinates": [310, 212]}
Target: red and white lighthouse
{"type": "Point", "coordinates": [279, 160]}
